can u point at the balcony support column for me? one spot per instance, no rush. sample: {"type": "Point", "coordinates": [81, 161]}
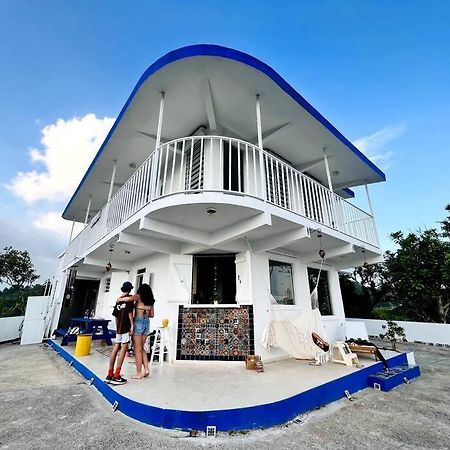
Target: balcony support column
{"type": "Point", "coordinates": [260, 145]}
{"type": "Point", "coordinates": [155, 162]}
{"type": "Point", "coordinates": [88, 210]}
{"type": "Point", "coordinates": [113, 178]}
{"type": "Point", "coordinates": [369, 201]}
{"type": "Point", "coordinates": [327, 169]}
{"type": "Point", "coordinates": [71, 231]}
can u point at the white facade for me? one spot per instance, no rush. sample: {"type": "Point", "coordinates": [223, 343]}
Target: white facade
{"type": "Point", "coordinates": [214, 154]}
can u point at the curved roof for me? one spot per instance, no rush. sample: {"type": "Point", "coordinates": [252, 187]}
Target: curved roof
{"type": "Point", "coordinates": [160, 70]}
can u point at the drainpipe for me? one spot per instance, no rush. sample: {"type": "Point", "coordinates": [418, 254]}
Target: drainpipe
{"type": "Point", "coordinates": [260, 145]}
{"type": "Point", "coordinates": [327, 168]}
{"type": "Point", "coordinates": [113, 178]}
{"type": "Point", "coordinates": [155, 162]}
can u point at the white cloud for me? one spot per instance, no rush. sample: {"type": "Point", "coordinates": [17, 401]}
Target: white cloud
{"type": "Point", "coordinates": [68, 147]}
{"type": "Point", "coordinates": [374, 145]}
{"type": "Point", "coordinates": [52, 221]}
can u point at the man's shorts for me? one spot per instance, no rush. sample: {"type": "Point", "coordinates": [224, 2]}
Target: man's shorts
{"type": "Point", "coordinates": [122, 338]}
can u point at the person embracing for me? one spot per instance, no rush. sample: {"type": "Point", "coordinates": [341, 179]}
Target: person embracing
{"type": "Point", "coordinates": [143, 311]}
{"type": "Point", "coordinates": [123, 312]}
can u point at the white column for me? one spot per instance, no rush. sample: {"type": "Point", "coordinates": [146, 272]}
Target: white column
{"type": "Point", "coordinates": [327, 169]}
{"type": "Point", "coordinates": [71, 230]}
{"type": "Point", "coordinates": [369, 200]}
{"type": "Point", "coordinates": [260, 145]}
{"type": "Point", "coordinates": [160, 120]}
{"type": "Point", "coordinates": [155, 162]}
{"type": "Point", "coordinates": [88, 210]}
{"type": "Point", "coordinates": [113, 178]}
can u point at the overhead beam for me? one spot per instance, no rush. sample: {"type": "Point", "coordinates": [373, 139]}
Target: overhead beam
{"type": "Point", "coordinates": [330, 253]}
{"type": "Point", "coordinates": [350, 183]}
{"type": "Point", "coordinates": [239, 229]}
{"type": "Point", "coordinates": [347, 264]}
{"type": "Point", "coordinates": [119, 265]}
{"type": "Point", "coordinates": [209, 104]}
{"type": "Point", "coordinates": [279, 240]}
{"type": "Point", "coordinates": [163, 140]}
{"type": "Point", "coordinates": [273, 132]}
{"type": "Point", "coordinates": [183, 233]}
{"type": "Point", "coordinates": [152, 244]}
{"type": "Point", "coordinates": [311, 164]}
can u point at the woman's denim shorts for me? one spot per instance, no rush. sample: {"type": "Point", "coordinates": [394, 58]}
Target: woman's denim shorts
{"type": "Point", "coordinates": [141, 326]}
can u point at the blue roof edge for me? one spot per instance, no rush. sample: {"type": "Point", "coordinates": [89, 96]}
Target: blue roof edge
{"type": "Point", "coordinates": [236, 55]}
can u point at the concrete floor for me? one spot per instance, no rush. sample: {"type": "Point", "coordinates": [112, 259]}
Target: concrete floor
{"type": "Point", "coordinates": [44, 404]}
{"type": "Point", "coordinates": [209, 385]}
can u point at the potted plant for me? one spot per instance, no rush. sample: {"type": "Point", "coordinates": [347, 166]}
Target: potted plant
{"type": "Point", "coordinates": [394, 333]}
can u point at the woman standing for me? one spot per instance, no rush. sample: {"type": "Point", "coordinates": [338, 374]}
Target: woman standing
{"type": "Point", "coordinates": [143, 311]}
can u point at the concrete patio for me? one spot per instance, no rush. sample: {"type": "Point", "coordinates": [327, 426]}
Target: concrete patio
{"type": "Point", "coordinates": [44, 404]}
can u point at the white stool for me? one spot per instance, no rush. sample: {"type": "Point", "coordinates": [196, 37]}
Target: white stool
{"type": "Point", "coordinates": [162, 345]}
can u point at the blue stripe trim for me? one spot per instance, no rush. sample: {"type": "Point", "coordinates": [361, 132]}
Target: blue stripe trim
{"type": "Point", "coordinates": [260, 416]}
{"type": "Point", "coordinates": [229, 53]}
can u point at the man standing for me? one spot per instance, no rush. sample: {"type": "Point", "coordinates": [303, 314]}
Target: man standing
{"type": "Point", "coordinates": [123, 312]}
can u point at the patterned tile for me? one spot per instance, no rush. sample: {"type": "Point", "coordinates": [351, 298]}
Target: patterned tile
{"type": "Point", "coordinates": [225, 334]}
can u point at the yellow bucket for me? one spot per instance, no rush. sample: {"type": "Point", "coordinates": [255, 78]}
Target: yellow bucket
{"type": "Point", "coordinates": [165, 323]}
{"type": "Point", "coordinates": [83, 346]}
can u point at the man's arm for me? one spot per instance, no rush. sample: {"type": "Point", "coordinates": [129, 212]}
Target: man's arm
{"type": "Point", "coordinates": [130, 315]}
{"type": "Point", "coordinates": [128, 298]}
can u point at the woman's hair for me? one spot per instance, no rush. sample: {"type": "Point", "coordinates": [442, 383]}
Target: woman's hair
{"type": "Point", "coordinates": [146, 294]}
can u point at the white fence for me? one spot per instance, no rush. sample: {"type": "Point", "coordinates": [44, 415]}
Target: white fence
{"type": "Point", "coordinates": [10, 328]}
{"type": "Point", "coordinates": [436, 333]}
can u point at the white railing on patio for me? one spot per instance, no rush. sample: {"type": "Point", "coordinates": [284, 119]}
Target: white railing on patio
{"type": "Point", "coordinates": [220, 164]}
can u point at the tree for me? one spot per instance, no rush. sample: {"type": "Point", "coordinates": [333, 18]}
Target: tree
{"type": "Point", "coordinates": [18, 272]}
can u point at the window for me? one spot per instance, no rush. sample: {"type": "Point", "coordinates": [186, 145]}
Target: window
{"type": "Point", "coordinates": [281, 282]}
{"type": "Point", "coordinates": [140, 278]}
{"type": "Point", "coordinates": [322, 290]}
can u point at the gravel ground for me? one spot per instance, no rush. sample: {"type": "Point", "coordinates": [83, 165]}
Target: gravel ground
{"type": "Point", "coordinates": [45, 404]}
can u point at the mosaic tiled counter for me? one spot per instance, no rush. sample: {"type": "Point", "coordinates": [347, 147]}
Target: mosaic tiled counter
{"type": "Point", "coordinates": [209, 333]}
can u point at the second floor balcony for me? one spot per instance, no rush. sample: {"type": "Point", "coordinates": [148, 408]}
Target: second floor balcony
{"type": "Point", "coordinates": [224, 166]}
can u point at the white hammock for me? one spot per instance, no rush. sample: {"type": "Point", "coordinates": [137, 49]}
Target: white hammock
{"type": "Point", "coordinates": [294, 335]}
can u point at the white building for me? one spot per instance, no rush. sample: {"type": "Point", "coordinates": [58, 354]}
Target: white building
{"type": "Point", "coordinates": [217, 183]}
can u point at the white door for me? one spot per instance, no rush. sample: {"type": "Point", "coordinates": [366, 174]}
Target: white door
{"type": "Point", "coordinates": [34, 322]}
{"type": "Point", "coordinates": [243, 279]}
{"type": "Point", "coordinates": [180, 278]}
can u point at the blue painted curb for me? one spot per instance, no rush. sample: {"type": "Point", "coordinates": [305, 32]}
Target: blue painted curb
{"type": "Point", "coordinates": [260, 416]}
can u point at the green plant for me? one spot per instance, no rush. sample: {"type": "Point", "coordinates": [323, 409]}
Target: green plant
{"type": "Point", "coordinates": [394, 333]}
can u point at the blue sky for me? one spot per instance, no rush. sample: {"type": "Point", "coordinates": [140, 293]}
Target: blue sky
{"type": "Point", "coordinates": [378, 70]}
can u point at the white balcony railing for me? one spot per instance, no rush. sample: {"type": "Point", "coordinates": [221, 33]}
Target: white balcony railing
{"type": "Point", "coordinates": [221, 164]}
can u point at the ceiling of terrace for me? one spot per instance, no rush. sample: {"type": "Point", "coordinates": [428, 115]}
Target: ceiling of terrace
{"type": "Point", "coordinates": [230, 86]}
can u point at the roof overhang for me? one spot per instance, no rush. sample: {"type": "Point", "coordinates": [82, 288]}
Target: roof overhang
{"type": "Point", "coordinates": [292, 128]}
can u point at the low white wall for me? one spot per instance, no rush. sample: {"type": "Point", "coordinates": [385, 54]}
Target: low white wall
{"type": "Point", "coordinates": [9, 328]}
{"type": "Point", "coordinates": [436, 333]}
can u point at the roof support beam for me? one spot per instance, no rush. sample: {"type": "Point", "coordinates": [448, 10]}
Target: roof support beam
{"type": "Point", "coordinates": [274, 131]}
{"type": "Point", "coordinates": [182, 233]}
{"type": "Point", "coordinates": [350, 183]}
{"type": "Point", "coordinates": [357, 262]}
{"type": "Point", "coordinates": [162, 139]}
{"type": "Point", "coordinates": [119, 265]}
{"type": "Point", "coordinates": [311, 164]}
{"type": "Point", "coordinates": [239, 229]}
{"type": "Point", "coordinates": [152, 244]}
{"type": "Point", "coordinates": [279, 240]}
{"type": "Point", "coordinates": [331, 253]}
{"type": "Point", "coordinates": [209, 104]}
